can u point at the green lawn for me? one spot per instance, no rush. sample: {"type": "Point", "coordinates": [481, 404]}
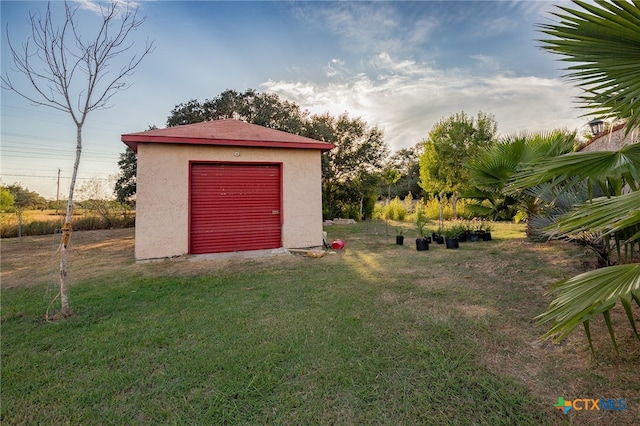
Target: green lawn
{"type": "Point", "coordinates": [374, 334]}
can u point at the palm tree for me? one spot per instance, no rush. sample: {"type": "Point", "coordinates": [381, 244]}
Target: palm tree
{"type": "Point", "coordinates": [492, 170]}
{"type": "Point", "coordinates": [601, 41]}
{"type": "Point", "coordinates": [614, 219]}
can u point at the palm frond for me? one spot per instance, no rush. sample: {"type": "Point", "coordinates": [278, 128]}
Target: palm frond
{"type": "Point", "coordinates": [580, 298]}
{"type": "Point", "coordinates": [599, 166]}
{"type": "Point", "coordinates": [602, 41]}
{"type": "Point", "coordinates": [604, 215]}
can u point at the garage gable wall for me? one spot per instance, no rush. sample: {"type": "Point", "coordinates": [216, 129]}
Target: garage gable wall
{"type": "Point", "coordinates": [162, 216]}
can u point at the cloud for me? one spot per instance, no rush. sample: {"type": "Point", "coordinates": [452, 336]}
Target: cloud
{"type": "Point", "coordinates": [363, 27]}
{"type": "Point", "coordinates": [406, 98]}
{"type": "Point", "coordinates": [99, 7]}
{"type": "Point", "coordinates": [335, 67]}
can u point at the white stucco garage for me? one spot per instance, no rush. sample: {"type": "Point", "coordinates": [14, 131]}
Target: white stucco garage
{"type": "Point", "coordinates": [225, 185]}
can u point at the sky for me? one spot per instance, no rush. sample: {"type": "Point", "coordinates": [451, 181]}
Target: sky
{"type": "Point", "coordinates": [401, 66]}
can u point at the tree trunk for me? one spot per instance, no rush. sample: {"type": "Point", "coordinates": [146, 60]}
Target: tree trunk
{"type": "Point", "coordinates": [454, 209]}
{"type": "Point", "coordinates": [19, 214]}
{"type": "Point", "coordinates": [67, 229]}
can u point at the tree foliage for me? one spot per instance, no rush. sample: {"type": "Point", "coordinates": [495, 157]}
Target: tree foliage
{"type": "Point", "coordinates": [352, 167]}
{"type": "Point", "coordinates": [452, 142]}
{"type": "Point", "coordinates": [125, 186]}
{"type": "Point", "coordinates": [23, 198]}
{"type": "Point", "coordinates": [263, 109]}
{"type": "Point", "coordinates": [7, 201]}
{"type": "Point", "coordinates": [349, 171]}
{"type": "Point", "coordinates": [17, 199]}
{"type": "Point", "coordinates": [407, 162]}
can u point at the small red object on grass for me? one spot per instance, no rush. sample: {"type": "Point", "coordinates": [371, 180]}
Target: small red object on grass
{"type": "Point", "coordinates": [337, 245]}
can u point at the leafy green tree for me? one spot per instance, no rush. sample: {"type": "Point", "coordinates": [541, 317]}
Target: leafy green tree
{"type": "Point", "coordinates": [188, 113]}
{"type": "Point", "coordinates": [359, 151]}
{"type": "Point", "coordinates": [602, 41]}
{"type": "Point", "coordinates": [407, 162]}
{"type": "Point", "coordinates": [125, 186]}
{"type": "Point", "coordinates": [390, 176]}
{"type": "Point", "coordinates": [452, 143]}
{"type": "Point", "coordinates": [23, 199]}
{"type": "Point", "coordinates": [7, 201]}
{"type": "Point", "coordinates": [263, 109]}
{"type": "Point", "coordinates": [346, 170]}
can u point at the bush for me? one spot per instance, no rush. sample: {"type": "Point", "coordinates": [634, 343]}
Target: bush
{"type": "Point", "coordinates": [351, 211]}
{"type": "Point", "coordinates": [395, 210]}
{"type": "Point", "coordinates": [432, 209]}
{"type": "Point", "coordinates": [406, 209]}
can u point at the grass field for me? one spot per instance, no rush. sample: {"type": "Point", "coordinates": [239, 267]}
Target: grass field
{"type": "Point", "coordinates": [46, 222]}
{"type": "Point", "coordinates": [372, 334]}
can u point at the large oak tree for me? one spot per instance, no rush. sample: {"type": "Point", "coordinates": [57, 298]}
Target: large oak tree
{"type": "Point", "coordinates": [349, 171]}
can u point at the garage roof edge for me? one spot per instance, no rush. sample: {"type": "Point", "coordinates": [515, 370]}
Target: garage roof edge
{"type": "Point", "coordinates": [225, 133]}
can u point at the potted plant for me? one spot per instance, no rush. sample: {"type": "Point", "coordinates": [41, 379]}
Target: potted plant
{"type": "Point", "coordinates": [462, 228]}
{"type": "Point", "coordinates": [483, 231]}
{"type": "Point", "coordinates": [474, 228]}
{"type": "Point", "coordinates": [451, 237]}
{"type": "Point", "coordinates": [486, 236]}
{"type": "Point", "coordinates": [422, 242]}
{"type": "Point", "coordinates": [438, 238]}
{"type": "Point", "coordinates": [399, 237]}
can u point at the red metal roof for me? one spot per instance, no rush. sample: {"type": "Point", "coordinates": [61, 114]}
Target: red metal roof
{"type": "Point", "coordinates": [226, 133]}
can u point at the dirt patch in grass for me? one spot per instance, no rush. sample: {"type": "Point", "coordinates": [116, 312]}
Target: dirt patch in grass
{"type": "Point", "coordinates": [30, 261]}
{"type": "Point", "coordinates": [35, 260]}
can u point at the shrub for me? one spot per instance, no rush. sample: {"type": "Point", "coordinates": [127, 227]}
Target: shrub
{"type": "Point", "coordinates": [351, 211]}
{"type": "Point", "coordinates": [432, 209]}
{"type": "Point", "coordinates": [395, 210]}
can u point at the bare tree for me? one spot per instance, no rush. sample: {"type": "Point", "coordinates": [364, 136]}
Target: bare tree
{"type": "Point", "coordinates": [72, 73]}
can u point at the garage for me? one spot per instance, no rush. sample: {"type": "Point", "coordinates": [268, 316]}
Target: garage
{"type": "Point", "coordinates": [234, 207]}
{"type": "Point", "coordinates": [225, 186]}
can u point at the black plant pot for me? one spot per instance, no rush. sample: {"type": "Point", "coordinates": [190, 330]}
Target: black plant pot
{"type": "Point", "coordinates": [399, 240]}
{"type": "Point", "coordinates": [422, 244]}
{"type": "Point", "coordinates": [473, 237]}
{"type": "Point", "coordinates": [463, 237]}
{"type": "Point", "coordinates": [439, 239]}
{"type": "Point", "coordinates": [486, 236]}
{"type": "Point", "coordinates": [452, 243]}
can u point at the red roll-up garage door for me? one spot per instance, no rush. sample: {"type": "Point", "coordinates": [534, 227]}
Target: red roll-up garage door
{"type": "Point", "coordinates": [234, 207]}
